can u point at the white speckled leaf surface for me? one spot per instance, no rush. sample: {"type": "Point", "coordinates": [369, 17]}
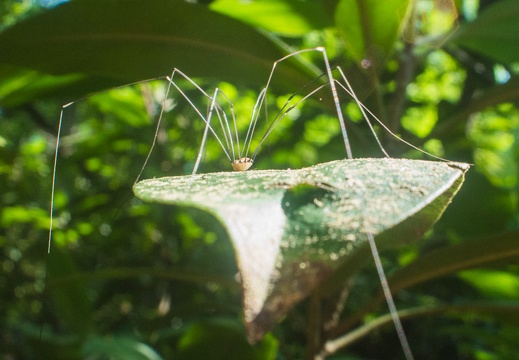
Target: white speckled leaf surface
{"type": "Point", "coordinates": [291, 229]}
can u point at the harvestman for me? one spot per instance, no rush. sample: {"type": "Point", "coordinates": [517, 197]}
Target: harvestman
{"type": "Point", "coordinates": [240, 156]}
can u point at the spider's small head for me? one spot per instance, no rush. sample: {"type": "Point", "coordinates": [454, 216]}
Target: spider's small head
{"type": "Point", "coordinates": [242, 164]}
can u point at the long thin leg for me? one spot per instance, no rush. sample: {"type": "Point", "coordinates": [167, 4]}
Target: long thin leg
{"type": "Point", "coordinates": [51, 205]}
{"type": "Point", "coordinates": [228, 134]}
{"type": "Point", "coordinates": [252, 124]}
{"type": "Point", "coordinates": [334, 83]}
{"type": "Point", "coordinates": [157, 129]}
{"type": "Point", "coordinates": [361, 107]}
{"type": "Point", "coordinates": [263, 95]}
{"type": "Point", "coordinates": [281, 115]}
{"type": "Point", "coordinates": [228, 148]}
{"type": "Point", "coordinates": [204, 137]}
{"type": "Point", "coordinates": [54, 179]}
{"type": "Point", "coordinates": [204, 119]}
{"type": "Point", "coordinates": [389, 299]}
{"type": "Point", "coordinates": [365, 110]}
{"type": "Point", "coordinates": [337, 103]}
{"type": "Point", "coordinates": [54, 172]}
{"type": "Point", "coordinates": [56, 158]}
{"type": "Point", "coordinates": [219, 111]}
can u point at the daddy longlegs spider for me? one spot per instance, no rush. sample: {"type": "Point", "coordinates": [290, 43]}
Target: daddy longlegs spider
{"type": "Point", "coordinates": [241, 156]}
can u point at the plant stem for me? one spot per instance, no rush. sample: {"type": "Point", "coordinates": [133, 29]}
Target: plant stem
{"type": "Point", "coordinates": [314, 327]}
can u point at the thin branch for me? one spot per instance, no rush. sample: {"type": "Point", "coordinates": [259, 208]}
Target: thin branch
{"type": "Point", "coordinates": [313, 335]}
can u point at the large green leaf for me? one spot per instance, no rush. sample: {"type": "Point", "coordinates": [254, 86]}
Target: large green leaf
{"type": "Point", "coordinates": [285, 17]}
{"type": "Point", "coordinates": [120, 41]}
{"type": "Point", "coordinates": [495, 33]}
{"type": "Point", "coordinates": [370, 27]}
{"type": "Point", "coordinates": [291, 229]}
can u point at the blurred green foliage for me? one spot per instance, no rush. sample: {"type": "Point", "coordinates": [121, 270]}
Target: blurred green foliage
{"type": "Point", "coordinates": [129, 280]}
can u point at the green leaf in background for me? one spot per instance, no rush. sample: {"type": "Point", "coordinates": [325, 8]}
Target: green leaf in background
{"type": "Point", "coordinates": [19, 85]}
{"type": "Point", "coordinates": [116, 42]}
{"type": "Point", "coordinates": [444, 261]}
{"type": "Point", "coordinates": [72, 302]}
{"type": "Point", "coordinates": [118, 348]}
{"type": "Point", "coordinates": [494, 33]}
{"type": "Point", "coordinates": [291, 229]}
{"type": "Point", "coordinates": [221, 338]}
{"type": "Point", "coordinates": [493, 284]}
{"type": "Point", "coordinates": [284, 17]}
{"type": "Point", "coordinates": [370, 28]}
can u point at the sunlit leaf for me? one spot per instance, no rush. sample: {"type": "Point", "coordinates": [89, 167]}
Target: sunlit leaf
{"type": "Point", "coordinates": [370, 28]}
{"type": "Point", "coordinates": [285, 17]}
{"type": "Point", "coordinates": [291, 229]}
{"type": "Point", "coordinates": [494, 284]}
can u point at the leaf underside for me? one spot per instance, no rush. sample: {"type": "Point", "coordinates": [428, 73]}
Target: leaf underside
{"type": "Point", "coordinates": [291, 229]}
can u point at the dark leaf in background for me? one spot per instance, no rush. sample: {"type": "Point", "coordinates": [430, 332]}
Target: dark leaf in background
{"type": "Point", "coordinates": [493, 33]}
{"type": "Point", "coordinates": [114, 42]}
